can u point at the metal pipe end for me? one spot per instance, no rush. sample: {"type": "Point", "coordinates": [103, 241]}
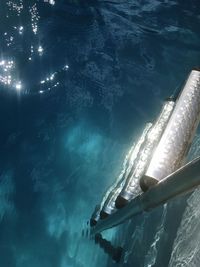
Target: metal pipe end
{"type": "Point", "coordinates": [93, 222]}
{"type": "Point", "coordinates": [196, 68]}
{"type": "Point", "coordinates": [103, 215]}
{"type": "Point", "coordinates": [146, 182]}
{"type": "Point", "coordinates": [170, 99]}
{"type": "Point", "coordinates": [120, 202]}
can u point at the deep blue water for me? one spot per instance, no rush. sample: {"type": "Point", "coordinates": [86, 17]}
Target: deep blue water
{"type": "Point", "coordinates": [78, 81]}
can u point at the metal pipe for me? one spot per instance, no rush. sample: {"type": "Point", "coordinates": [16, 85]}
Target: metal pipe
{"type": "Point", "coordinates": [131, 160]}
{"type": "Point", "coordinates": [131, 188]}
{"type": "Point", "coordinates": [107, 205]}
{"type": "Point", "coordinates": [180, 182]}
{"type": "Point", "coordinates": [175, 142]}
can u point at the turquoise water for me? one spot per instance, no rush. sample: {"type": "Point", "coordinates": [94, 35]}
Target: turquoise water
{"type": "Point", "coordinates": [78, 81]}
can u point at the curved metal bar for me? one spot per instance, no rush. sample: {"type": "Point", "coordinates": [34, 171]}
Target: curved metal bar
{"type": "Point", "coordinates": [180, 182]}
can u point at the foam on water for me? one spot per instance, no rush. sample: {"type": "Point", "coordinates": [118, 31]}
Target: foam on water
{"type": "Point", "coordinates": [151, 256]}
{"type": "Point", "coordinates": [186, 245]}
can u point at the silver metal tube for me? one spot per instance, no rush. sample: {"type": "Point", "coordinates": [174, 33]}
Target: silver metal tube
{"type": "Point", "coordinates": [178, 183]}
{"type": "Point", "coordinates": [108, 206]}
{"type": "Point", "coordinates": [133, 208]}
{"type": "Point", "coordinates": [132, 188]}
{"type": "Point", "coordinates": [177, 137]}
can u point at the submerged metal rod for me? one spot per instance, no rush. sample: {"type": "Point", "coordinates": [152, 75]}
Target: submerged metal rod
{"type": "Point", "coordinates": [182, 181]}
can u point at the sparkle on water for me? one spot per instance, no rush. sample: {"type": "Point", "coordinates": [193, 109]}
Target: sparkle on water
{"type": "Point", "coordinates": [90, 74]}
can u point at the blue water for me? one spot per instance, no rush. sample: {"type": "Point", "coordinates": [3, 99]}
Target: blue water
{"type": "Point", "coordinates": [78, 81]}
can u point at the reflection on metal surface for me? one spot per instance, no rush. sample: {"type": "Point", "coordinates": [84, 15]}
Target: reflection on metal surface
{"type": "Point", "coordinates": [132, 188]}
{"type": "Point", "coordinates": [109, 193]}
{"type": "Point", "coordinates": [109, 205]}
{"type": "Point", "coordinates": [129, 163]}
{"type": "Point", "coordinates": [170, 139]}
{"type": "Point", "coordinates": [159, 156]}
{"type": "Point", "coordinates": [177, 137]}
{"type": "Point", "coordinates": [178, 183]}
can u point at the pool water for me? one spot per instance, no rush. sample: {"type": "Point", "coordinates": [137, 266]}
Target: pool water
{"type": "Point", "coordinates": [78, 81]}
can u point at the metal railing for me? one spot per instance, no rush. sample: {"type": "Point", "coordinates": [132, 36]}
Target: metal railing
{"type": "Point", "coordinates": [182, 181]}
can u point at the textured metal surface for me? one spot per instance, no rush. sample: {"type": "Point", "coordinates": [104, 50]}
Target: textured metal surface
{"type": "Point", "coordinates": [109, 203]}
{"type": "Point", "coordinates": [109, 206]}
{"type": "Point", "coordinates": [106, 203]}
{"type": "Point", "coordinates": [177, 137]}
{"type": "Point", "coordinates": [132, 188]}
{"type": "Point", "coordinates": [178, 183]}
